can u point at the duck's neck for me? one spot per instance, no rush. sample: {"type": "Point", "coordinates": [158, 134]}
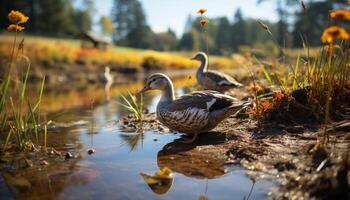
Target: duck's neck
{"type": "Point", "coordinates": [168, 95]}
{"type": "Point", "coordinates": [203, 67]}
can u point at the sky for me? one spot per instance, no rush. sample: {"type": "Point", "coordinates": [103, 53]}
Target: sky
{"type": "Point", "coordinates": [164, 14]}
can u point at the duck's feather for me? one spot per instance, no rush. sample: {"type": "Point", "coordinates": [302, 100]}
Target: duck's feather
{"type": "Point", "coordinates": [194, 112]}
{"type": "Point", "coordinates": [221, 79]}
{"type": "Point", "coordinates": [206, 100]}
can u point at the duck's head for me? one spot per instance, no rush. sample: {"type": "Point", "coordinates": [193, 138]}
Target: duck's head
{"type": "Point", "coordinates": [200, 56]}
{"type": "Point", "coordinates": [156, 81]}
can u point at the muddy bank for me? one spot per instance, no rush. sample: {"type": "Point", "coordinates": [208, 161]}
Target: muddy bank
{"type": "Point", "coordinates": [290, 155]}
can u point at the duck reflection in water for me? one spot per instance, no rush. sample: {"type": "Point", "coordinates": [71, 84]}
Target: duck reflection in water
{"type": "Point", "coordinates": [192, 160]}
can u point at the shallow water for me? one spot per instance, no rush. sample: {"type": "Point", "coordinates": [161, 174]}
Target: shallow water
{"type": "Point", "coordinates": [113, 171]}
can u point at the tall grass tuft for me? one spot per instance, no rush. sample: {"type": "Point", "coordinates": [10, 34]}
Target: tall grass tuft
{"type": "Point", "coordinates": [133, 105]}
{"type": "Point", "coordinates": [19, 118]}
{"type": "Point", "coordinates": [325, 75]}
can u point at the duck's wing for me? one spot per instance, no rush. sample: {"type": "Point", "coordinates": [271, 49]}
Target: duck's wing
{"type": "Point", "coordinates": [204, 100]}
{"type": "Point", "coordinates": [222, 79]}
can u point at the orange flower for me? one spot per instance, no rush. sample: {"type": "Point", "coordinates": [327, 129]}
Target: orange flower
{"type": "Point", "coordinates": [203, 22]}
{"type": "Point", "coordinates": [266, 105]}
{"type": "Point", "coordinates": [17, 17]}
{"type": "Point", "coordinates": [333, 33]}
{"type": "Point", "coordinates": [278, 96]}
{"type": "Point", "coordinates": [202, 11]}
{"type": "Point", "coordinates": [255, 88]}
{"type": "Point", "coordinates": [15, 27]}
{"type": "Point", "coordinates": [340, 14]}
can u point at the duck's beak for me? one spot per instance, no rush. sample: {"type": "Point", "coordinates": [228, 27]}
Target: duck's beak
{"type": "Point", "coordinates": [144, 89]}
{"type": "Point", "coordinates": [193, 58]}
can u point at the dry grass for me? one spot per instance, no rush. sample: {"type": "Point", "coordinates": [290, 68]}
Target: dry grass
{"type": "Point", "coordinates": [47, 51]}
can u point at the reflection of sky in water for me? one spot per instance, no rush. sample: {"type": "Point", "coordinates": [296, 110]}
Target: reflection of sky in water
{"type": "Point", "coordinates": [112, 172]}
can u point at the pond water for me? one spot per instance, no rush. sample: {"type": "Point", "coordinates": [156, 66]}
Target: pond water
{"type": "Point", "coordinates": [113, 171]}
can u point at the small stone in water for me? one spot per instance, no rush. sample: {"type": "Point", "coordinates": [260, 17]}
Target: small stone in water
{"type": "Point", "coordinates": [29, 163]}
{"type": "Point", "coordinates": [68, 155]}
{"type": "Point", "coordinates": [155, 139]}
{"type": "Point", "coordinates": [91, 151]}
{"type": "Point", "coordinates": [44, 162]}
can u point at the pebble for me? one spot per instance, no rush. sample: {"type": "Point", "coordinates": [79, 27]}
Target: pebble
{"type": "Point", "coordinates": [91, 151]}
{"type": "Point", "coordinates": [44, 162]}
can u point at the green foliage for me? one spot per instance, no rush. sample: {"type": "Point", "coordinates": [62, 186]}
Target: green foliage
{"type": "Point", "coordinates": [17, 115]}
{"type": "Point", "coordinates": [134, 106]}
{"type": "Point", "coordinates": [50, 17]}
{"type": "Point", "coordinates": [106, 25]}
{"type": "Point", "coordinates": [165, 41]}
{"type": "Point", "coordinates": [131, 25]}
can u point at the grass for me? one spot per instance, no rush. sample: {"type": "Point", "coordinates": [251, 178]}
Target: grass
{"type": "Point", "coordinates": [134, 106]}
{"type": "Point", "coordinates": [44, 51]}
{"type": "Point", "coordinates": [322, 74]}
{"type": "Point", "coordinates": [19, 117]}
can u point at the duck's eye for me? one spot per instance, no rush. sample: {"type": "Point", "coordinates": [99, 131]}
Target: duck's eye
{"type": "Point", "coordinates": [152, 80]}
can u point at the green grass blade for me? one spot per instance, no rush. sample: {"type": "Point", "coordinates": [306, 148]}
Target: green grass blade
{"type": "Point", "coordinates": [34, 123]}
{"type": "Point", "coordinates": [4, 89]}
{"type": "Point", "coordinates": [8, 139]}
{"type": "Point", "coordinates": [45, 135]}
{"type": "Point", "coordinates": [40, 94]}
{"type": "Point", "coordinates": [25, 83]}
{"type": "Point", "coordinates": [295, 75]}
{"type": "Point", "coordinates": [267, 76]}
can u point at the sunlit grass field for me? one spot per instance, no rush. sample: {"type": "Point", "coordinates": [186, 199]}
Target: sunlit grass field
{"type": "Point", "coordinates": [45, 51]}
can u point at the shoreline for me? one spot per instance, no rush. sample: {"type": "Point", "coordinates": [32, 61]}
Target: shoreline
{"type": "Point", "coordinates": [289, 155]}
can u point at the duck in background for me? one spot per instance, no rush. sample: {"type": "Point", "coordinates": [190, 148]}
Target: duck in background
{"type": "Point", "coordinates": [213, 80]}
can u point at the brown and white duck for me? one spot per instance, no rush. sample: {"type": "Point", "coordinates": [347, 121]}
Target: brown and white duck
{"type": "Point", "coordinates": [192, 113]}
{"type": "Point", "coordinates": [213, 80]}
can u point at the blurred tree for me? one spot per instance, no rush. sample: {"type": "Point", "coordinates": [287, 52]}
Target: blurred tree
{"type": "Point", "coordinates": [188, 24]}
{"type": "Point", "coordinates": [207, 34]}
{"type": "Point", "coordinates": [82, 16]}
{"type": "Point", "coordinates": [82, 20]}
{"type": "Point", "coordinates": [47, 17]}
{"type": "Point", "coordinates": [238, 31]}
{"type": "Point", "coordinates": [107, 26]}
{"type": "Point", "coordinates": [130, 21]}
{"type": "Point", "coordinates": [284, 10]}
{"type": "Point", "coordinates": [165, 41]}
{"type": "Point", "coordinates": [57, 16]}
{"type": "Point", "coordinates": [223, 36]}
{"type": "Point", "coordinates": [190, 41]}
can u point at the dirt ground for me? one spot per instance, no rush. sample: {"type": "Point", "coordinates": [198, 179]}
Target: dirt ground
{"type": "Point", "coordinates": [290, 155]}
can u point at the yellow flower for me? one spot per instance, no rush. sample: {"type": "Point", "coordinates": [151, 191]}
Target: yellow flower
{"type": "Point", "coordinates": [17, 17]}
{"type": "Point", "coordinates": [333, 33]}
{"type": "Point", "coordinates": [255, 88]}
{"type": "Point", "coordinates": [15, 27]}
{"type": "Point", "coordinates": [202, 11]}
{"type": "Point", "coordinates": [340, 14]}
{"type": "Point", "coordinates": [203, 22]}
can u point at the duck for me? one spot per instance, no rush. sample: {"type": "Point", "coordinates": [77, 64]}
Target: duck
{"type": "Point", "coordinates": [210, 79]}
{"type": "Point", "coordinates": [193, 113]}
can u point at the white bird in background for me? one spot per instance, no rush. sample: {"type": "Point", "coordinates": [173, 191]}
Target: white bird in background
{"type": "Point", "coordinates": [109, 82]}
